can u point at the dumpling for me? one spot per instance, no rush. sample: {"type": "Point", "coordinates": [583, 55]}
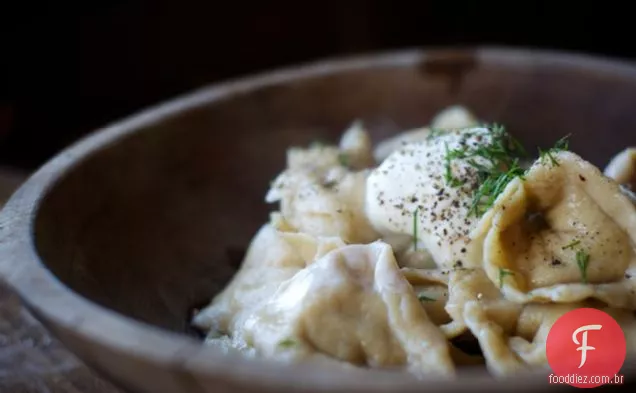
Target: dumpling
{"type": "Point", "coordinates": [412, 257]}
{"type": "Point", "coordinates": [513, 346]}
{"type": "Point", "coordinates": [475, 304]}
{"type": "Point", "coordinates": [353, 305]}
{"type": "Point", "coordinates": [409, 197]}
{"type": "Point", "coordinates": [517, 343]}
{"type": "Point", "coordinates": [563, 234]}
{"type": "Point", "coordinates": [273, 257]}
{"type": "Point", "coordinates": [356, 148]}
{"type": "Point", "coordinates": [622, 168]}
{"type": "Point", "coordinates": [431, 288]}
{"type": "Point", "coordinates": [512, 336]}
{"type": "Point", "coordinates": [468, 286]}
{"type": "Point", "coordinates": [319, 195]}
{"type": "Point", "coordinates": [440, 296]}
{"type": "Point", "coordinates": [454, 117]}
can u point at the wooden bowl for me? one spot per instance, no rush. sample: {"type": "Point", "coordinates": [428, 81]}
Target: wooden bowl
{"type": "Point", "coordinates": [113, 241]}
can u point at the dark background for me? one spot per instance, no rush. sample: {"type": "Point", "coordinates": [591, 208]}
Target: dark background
{"type": "Point", "coordinates": [69, 68]}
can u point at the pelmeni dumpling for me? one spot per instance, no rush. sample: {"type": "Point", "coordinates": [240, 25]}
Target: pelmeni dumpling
{"type": "Point", "coordinates": [431, 288]}
{"type": "Point", "coordinates": [412, 257]}
{"type": "Point", "coordinates": [512, 336]}
{"type": "Point", "coordinates": [354, 305]}
{"type": "Point", "coordinates": [475, 304]}
{"type": "Point", "coordinates": [515, 345]}
{"type": "Point", "coordinates": [319, 194]}
{"type": "Point", "coordinates": [409, 197]}
{"type": "Point", "coordinates": [451, 118]}
{"type": "Point", "coordinates": [273, 257]}
{"type": "Point", "coordinates": [622, 168]}
{"type": "Point", "coordinates": [468, 286]}
{"type": "Point", "coordinates": [563, 234]}
{"type": "Point", "coordinates": [454, 118]}
{"type": "Point", "coordinates": [355, 147]}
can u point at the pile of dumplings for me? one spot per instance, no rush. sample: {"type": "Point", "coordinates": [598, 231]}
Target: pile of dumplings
{"type": "Point", "coordinates": [374, 259]}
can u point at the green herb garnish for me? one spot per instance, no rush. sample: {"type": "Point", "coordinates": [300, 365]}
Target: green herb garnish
{"type": "Point", "coordinates": [434, 133]}
{"type": "Point", "coordinates": [423, 298]}
{"type": "Point", "coordinates": [571, 245]}
{"type": "Point", "coordinates": [502, 274]}
{"type": "Point", "coordinates": [448, 158]}
{"type": "Point", "coordinates": [563, 143]}
{"type": "Point", "coordinates": [582, 261]}
{"type": "Point", "coordinates": [548, 155]}
{"type": "Point", "coordinates": [491, 188]}
{"type": "Point", "coordinates": [415, 214]}
{"type": "Point", "coordinates": [343, 159]}
{"type": "Point", "coordinates": [582, 258]}
{"type": "Point", "coordinates": [287, 343]}
{"type": "Point", "coordinates": [500, 154]}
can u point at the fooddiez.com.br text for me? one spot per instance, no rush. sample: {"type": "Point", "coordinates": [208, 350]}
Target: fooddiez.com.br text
{"type": "Point", "coordinates": [586, 379]}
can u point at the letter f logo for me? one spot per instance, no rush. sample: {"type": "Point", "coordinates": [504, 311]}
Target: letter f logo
{"type": "Point", "coordinates": [583, 346]}
{"type": "Point", "coordinates": [568, 345]}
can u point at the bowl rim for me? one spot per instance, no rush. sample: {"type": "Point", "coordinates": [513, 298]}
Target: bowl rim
{"type": "Point", "coordinates": [56, 304]}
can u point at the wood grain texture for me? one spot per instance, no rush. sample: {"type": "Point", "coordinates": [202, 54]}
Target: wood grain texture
{"type": "Point", "coordinates": [31, 360]}
{"type": "Point", "coordinates": [114, 240]}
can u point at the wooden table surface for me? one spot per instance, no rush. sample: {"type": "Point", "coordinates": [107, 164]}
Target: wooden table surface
{"type": "Point", "coordinates": [31, 360]}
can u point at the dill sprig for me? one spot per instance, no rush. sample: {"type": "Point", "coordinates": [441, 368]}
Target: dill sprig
{"type": "Point", "coordinates": [503, 273]}
{"type": "Point", "coordinates": [434, 133]}
{"type": "Point", "coordinates": [582, 258]}
{"type": "Point", "coordinates": [287, 343]}
{"type": "Point", "coordinates": [415, 234]}
{"type": "Point", "coordinates": [492, 187]}
{"type": "Point", "coordinates": [423, 298]}
{"type": "Point", "coordinates": [582, 261]}
{"type": "Point", "coordinates": [448, 171]}
{"type": "Point", "coordinates": [501, 152]}
{"type": "Point", "coordinates": [343, 159]}
{"type": "Point", "coordinates": [563, 143]}
{"type": "Point", "coordinates": [571, 245]}
{"type": "Point", "coordinates": [548, 155]}
{"type": "Point", "coordinates": [500, 156]}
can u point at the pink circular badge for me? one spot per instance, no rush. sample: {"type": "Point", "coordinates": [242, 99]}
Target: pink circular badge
{"type": "Point", "coordinates": [585, 348]}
